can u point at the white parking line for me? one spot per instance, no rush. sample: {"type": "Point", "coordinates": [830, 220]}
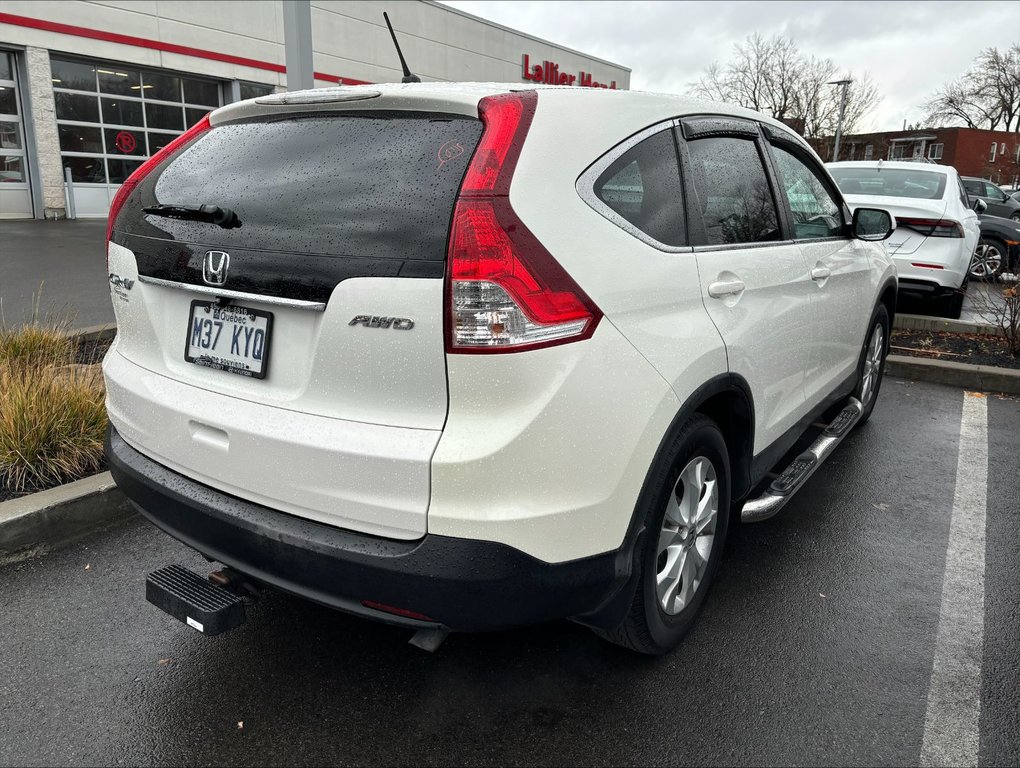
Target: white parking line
{"type": "Point", "coordinates": [951, 723]}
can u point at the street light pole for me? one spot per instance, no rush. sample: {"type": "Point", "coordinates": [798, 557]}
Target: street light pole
{"type": "Point", "coordinates": [842, 108]}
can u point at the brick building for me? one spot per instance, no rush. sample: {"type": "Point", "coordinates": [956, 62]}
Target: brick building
{"type": "Point", "coordinates": [993, 155]}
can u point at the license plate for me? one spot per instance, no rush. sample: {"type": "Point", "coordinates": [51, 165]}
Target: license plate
{"type": "Point", "coordinates": [233, 339]}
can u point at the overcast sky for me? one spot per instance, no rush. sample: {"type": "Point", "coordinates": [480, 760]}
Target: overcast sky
{"type": "Point", "coordinates": [910, 48]}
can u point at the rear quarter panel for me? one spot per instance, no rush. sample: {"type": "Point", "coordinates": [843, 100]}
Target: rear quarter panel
{"type": "Point", "coordinates": [652, 297]}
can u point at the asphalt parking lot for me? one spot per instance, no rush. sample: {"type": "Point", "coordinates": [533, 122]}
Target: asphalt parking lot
{"type": "Point", "coordinates": [55, 270]}
{"type": "Point", "coordinates": [829, 639]}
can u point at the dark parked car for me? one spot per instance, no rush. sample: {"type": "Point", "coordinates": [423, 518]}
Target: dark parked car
{"type": "Point", "coordinates": [998, 250]}
{"type": "Point", "coordinates": [998, 202]}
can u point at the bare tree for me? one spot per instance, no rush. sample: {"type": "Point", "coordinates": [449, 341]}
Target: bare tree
{"type": "Point", "coordinates": [986, 96]}
{"type": "Point", "coordinates": [1001, 310]}
{"type": "Point", "coordinates": [769, 74]}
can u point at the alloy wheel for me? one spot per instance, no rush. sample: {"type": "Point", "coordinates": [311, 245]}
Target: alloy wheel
{"type": "Point", "coordinates": [987, 261]}
{"type": "Point", "coordinates": [687, 535]}
{"type": "Point", "coordinates": [872, 364]}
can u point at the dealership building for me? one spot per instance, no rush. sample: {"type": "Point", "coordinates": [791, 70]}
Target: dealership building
{"type": "Point", "coordinates": [89, 90]}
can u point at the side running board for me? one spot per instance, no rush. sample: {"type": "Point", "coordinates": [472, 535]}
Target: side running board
{"type": "Point", "coordinates": [801, 468]}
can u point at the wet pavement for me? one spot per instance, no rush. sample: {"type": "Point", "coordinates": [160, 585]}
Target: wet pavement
{"type": "Point", "coordinates": [816, 645]}
{"type": "Point", "coordinates": [978, 304]}
{"type": "Point", "coordinates": [56, 269]}
{"type": "Point", "coordinates": [981, 301]}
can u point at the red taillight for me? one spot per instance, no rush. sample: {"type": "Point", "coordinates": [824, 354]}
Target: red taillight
{"type": "Point", "coordinates": [507, 119]}
{"type": "Point", "coordinates": [926, 266]}
{"type": "Point", "coordinates": [505, 291]}
{"type": "Point", "coordinates": [145, 169]}
{"type": "Point", "coordinates": [932, 227]}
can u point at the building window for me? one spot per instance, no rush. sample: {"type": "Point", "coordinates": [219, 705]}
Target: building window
{"type": "Point", "coordinates": [897, 151]}
{"type": "Point", "coordinates": [935, 152]}
{"type": "Point", "coordinates": [868, 150]}
{"type": "Point", "coordinates": [991, 156]}
{"type": "Point", "coordinates": [253, 90]}
{"type": "Point", "coordinates": [853, 151]}
{"type": "Point", "coordinates": [112, 117]}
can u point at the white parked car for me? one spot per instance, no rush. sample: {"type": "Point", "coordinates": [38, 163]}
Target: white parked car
{"type": "Point", "coordinates": [936, 229]}
{"type": "Point", "coordinates": [466, 356]}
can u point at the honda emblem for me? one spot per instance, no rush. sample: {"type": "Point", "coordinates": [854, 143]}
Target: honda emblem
{"type": "Point", "coordinates": [214, 268]}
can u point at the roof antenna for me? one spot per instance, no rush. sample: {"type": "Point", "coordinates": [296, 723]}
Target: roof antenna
{"type": "Point", "coordinates": [408, 77]}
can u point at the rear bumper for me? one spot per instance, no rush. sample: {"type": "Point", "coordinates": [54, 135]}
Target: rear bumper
{"type": "Point", "coordinates": [940, 262]}
{"type": "Point", "coordinates": [462, 584]}
{"type": "Point", "coordinates": [926, 288]}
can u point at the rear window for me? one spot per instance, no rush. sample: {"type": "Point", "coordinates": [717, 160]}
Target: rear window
{"type": "Point", "coordinates": [890, 182]}
{"type": "Point", "coordinates": [371, 185]}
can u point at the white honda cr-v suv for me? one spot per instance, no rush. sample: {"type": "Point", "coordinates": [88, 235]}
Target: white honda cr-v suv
{"type": "Point", "coordinates": [466, 356]}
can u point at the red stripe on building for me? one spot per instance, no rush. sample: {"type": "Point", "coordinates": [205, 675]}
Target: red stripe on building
{"type": "Point", "coordinates": [157, 45]}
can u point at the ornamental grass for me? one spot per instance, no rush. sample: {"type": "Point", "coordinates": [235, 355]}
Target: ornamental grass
{"type": "Point", "coordinates": [52, 412]}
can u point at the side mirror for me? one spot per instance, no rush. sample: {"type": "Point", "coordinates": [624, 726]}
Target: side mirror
{"type": "Point", "coordinates": [872, 224]}
{"type": "Point", "coordinates": [980, 206]}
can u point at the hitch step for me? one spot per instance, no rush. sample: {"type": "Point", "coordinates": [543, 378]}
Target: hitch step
{"type": "Point", "coordinates": [189, 598]}
{"type": "Point", "coordinates": [791, 479]}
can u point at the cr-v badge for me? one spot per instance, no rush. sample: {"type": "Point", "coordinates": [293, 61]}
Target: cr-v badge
{"type": "Point", "coordinates": [375, 321]}
{"type": "Point", "coordinates": [214, 268]}
{"type": "Point", "coordinates": [120, 287]}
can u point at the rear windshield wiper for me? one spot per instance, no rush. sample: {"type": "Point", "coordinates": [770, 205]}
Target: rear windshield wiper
{"type": "Point", "coordinates": [221, 217]}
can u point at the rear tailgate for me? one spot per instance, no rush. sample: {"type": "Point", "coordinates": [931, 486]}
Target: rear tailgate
{"type": "Point", "coordinates": [334, 287]}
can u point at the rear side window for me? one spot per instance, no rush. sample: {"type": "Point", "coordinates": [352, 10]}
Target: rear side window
{"type": "Point", "coordinates": [643, 187]}
{"type": "Point", "coordinates": [733, 191]}
{"type": "Point", "coordinates": [371, 185]}
{"type": "Point", "coordinates": [974, 187]}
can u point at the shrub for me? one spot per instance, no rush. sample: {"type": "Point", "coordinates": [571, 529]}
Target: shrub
{"type": "Point", "coordinates": [52, 414]}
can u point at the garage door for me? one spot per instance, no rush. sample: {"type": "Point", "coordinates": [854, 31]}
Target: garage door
{"type": "Point", "coordinates": [15, 193]}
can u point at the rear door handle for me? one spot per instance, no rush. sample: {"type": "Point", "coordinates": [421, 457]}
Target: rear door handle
{"type": "Point", "coordinates": [820, 273]}
{"type": "Point", "coordinates": [725, 288]}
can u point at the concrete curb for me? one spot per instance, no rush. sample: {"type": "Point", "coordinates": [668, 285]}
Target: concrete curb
{"type": "Point", "coordinates": [94, 332]}
{"type": "Point", "coordinates": [38, 522]}
{"type": "Point", "coordinates": [924, 323]}
{"type": "Point", "coordinates": [984, 378]}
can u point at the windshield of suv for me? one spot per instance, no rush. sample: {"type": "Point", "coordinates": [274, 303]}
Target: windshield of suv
{"type": "Point", "coordinates": [890, 182]}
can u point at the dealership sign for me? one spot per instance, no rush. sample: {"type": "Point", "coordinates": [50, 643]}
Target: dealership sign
{"type": "Point", "coordinates": [548, 72]}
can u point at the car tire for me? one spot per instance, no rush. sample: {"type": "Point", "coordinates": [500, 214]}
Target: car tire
{"type": "Point", "coordinates": [683, 539]}
{"type": "Point", "coordinates": [871, 366]}
{"type": "Point", "coordinates": [989, 259]}
{"type": "Point", "coordinates": [1015, 216]}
